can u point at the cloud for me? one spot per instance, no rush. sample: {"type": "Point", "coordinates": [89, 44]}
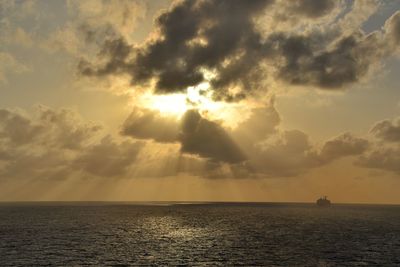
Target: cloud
{"type": "Point", "coordinates": [108, 158]}
{"type": "Point", "coordinates": [263, 121]}
{"type": "Point", "coordinates": [297, 10]}
{"type": "Point", "coordinates": [195, 35]}
{"type": "Point", "coordinates": [148, 124]}
{"type": "Point", "coordinates": [257, 147]}
{"type": "Point", "coordinates": [387, 130]}
{"type": "Point", "coordinates": [224, 38]}
{"type": "Point", "coordinates": [392, 27]}
{"type": "Point", "coordinates": [61, 128]}
{"type": "Point", "coordinates": [276, 152]}
{"type": "Point", "coordinates": [360, 12]}
{"type": "Point", "coordinates": [288, 153]}
{"type": "Point", "coordinates": [17, 128]}
{"type": "Point", "coordinates": [116, 52]}
{"type": "Point", "coordinates": [385, 152]}
{"type": "Point", "coordinates": [312, 8]}
{"type": "Point", "coordinates": [345, 63]}
{"type": "Point", "coordinates": [208, 139]}
{"type": "Point", "coordinates": [58, 144]}
{"type": "Point", "coordinates": [66, 128]}
{"type": "Point", "coordinates": [383, 158]}
{"type": "Point", "coordinates": [265, 145]}
{"type": "Point", "coordinates": [343, 145]}
{"type": "Point", "coordinates": [220, 41]}
{"type": "Point", "coordinates": [195, 134]}
{"type": "Point", "coordinates": [273, 151]}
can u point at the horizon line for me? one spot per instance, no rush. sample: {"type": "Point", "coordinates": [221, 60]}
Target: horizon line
{"type": "Point", "coordinates": [185, 202]}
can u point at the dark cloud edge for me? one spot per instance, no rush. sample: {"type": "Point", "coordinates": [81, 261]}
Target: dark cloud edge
{"type": "Point", "coordinates": [328, 60]}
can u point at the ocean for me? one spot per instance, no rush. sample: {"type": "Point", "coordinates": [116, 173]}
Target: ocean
{"type": "Point", "coordinates": [199, 234]}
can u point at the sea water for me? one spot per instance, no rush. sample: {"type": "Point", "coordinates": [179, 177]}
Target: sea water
{"type": "Point", "coordinates": [214, 234]}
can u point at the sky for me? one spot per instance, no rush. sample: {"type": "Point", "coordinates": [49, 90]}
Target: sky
{"type": "Point", "coordinates": [264, 100]}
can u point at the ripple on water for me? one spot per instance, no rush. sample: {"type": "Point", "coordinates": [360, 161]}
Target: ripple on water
{"type": "Point", "coordinates": [215, 235]}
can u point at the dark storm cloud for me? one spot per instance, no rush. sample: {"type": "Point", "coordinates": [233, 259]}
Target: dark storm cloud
{"type": "Point", "coordinates": [312, 8]}
{"type": "Point", "coordinates": [116, 52]}
{"type": "Point", "coordinates": [196, 35]}
{"type": "Point", "coordinates": [308, 62]}
{"type": "Point", "coordinates": [226, 28]}
{"type": "Point", "coordinates": [208, 139]}
{"type": "Point", "coordinates": [387, 130]}
{"type": "Point", "coordinates": [306, 8]}
{"type": "Point", "coordinates": [196, 134]}
{"type": "Point", "coordinates": [222, 37]}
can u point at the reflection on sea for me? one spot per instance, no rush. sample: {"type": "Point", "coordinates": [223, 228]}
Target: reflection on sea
{"type": "Point", "coordinates": [207, 234]}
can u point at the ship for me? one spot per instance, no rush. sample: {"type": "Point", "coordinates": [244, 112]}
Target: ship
{"type": "Point", "coordinates": [323, 202]}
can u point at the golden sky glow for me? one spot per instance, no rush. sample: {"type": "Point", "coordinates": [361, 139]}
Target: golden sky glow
{"type": "Point", "coordinates": [199, 97]}
{"type": "Point", "coordinates": [165, 100]}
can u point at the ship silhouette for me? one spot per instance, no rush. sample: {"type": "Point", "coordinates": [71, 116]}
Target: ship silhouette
{"type": "Point", "coordinates": [323, 202]}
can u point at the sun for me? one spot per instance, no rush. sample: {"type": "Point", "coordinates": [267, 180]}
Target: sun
{"type": "Point", "coordinates": [196, 97]}
{"type": "Point", "coordinates": [173, 104]}
{"type": "Point", "coordinates": [199, 97]}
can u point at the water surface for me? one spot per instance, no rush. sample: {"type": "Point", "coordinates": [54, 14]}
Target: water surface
{"type": "Point", "coordinates": [198, 234]}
